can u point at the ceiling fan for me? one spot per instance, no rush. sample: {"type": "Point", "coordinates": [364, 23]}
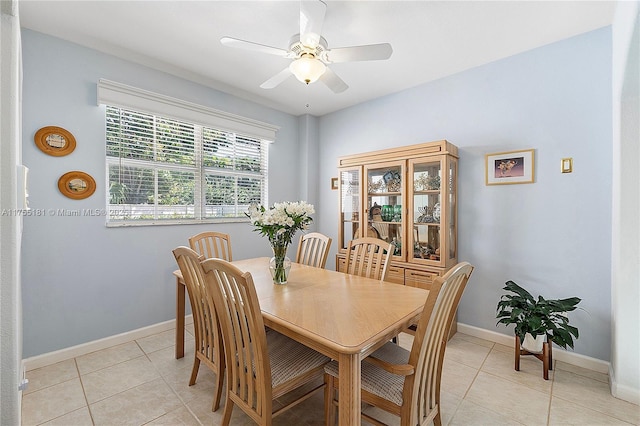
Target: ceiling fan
{"type": "Point", "coordinates": [310, 51]}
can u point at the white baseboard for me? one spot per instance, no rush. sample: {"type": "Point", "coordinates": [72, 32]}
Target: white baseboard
{"type": "Point", "coordinates": [96, 345]}
{"type": "Point", "coordinates": [559, 354]}
{"type": "Point", "coordinates": [621, 391]}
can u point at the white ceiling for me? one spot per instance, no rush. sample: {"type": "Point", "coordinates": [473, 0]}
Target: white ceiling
{"type": "Point", "coordinates": [430, 39]}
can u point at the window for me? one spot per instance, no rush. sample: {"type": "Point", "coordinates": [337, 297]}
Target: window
{"type": "Point", "coordinates": [163, 170]}
{"type": "Point", "coordinates": [173, 161]}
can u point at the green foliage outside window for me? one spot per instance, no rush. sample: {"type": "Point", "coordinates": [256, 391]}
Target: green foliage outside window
{"type": "Point", "coordinates": [163, 169]}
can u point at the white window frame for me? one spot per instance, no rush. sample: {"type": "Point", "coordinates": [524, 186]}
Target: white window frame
{"type": "Point", "coordinates": [130, 98]}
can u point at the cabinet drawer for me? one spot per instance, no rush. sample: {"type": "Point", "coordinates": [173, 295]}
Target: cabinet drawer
{"type": "Point", "coordinates": [395, 275]}
{"type": "Point", "coordinates": [341, 264]}
{"type": "Point", "coordinates": [420, 279]}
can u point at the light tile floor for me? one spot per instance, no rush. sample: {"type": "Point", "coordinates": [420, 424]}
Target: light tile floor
{"type": "Point", "coordinates": [141, 383]}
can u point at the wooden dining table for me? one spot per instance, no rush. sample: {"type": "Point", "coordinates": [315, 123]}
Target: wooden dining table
{"type": "Point", "coordinates": [343, 316]}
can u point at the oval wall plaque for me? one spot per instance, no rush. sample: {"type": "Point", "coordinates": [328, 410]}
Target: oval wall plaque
{"type": "Point", "coordinates": [76, 185]}
{"type": "Point", "coordinates": [55, 141]}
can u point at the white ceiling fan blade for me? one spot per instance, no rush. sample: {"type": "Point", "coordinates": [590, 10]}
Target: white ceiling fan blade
{"type": "Point", "coordinates": [311, 20]}
{"type": "Point", "coordinates": [371, 52]}
{"type": "Point", "coordinates": [254, 47]}
{"type": "Point", "coordinates": [333, 82]}
{"type": "Point", "coordinates": [276, 79]}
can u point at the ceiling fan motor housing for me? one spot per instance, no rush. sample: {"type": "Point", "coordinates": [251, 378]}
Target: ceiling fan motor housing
{"type": "Point", "coordinates": [297, 49]}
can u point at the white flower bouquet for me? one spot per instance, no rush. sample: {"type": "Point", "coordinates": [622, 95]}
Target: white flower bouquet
{"type": "Point", "coordinates": [279, 223]}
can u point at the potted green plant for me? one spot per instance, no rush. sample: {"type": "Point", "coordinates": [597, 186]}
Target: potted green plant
{"type": "Point", "coordinates": [541, 319]}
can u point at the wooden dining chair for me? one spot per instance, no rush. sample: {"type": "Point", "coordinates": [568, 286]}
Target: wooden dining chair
{"type": "Point", "coordinates": [368, 257]}
{"type": "Point", "coordinates": [208, 338]}
{"type": "Point", "coordinates": [313, 249]}
{"type": "Point", "coordinates": [212, 244]}
{"type": "Point", "coordinates": [407, 383]}
{"type": "Point", "coordinates": [261, 365]}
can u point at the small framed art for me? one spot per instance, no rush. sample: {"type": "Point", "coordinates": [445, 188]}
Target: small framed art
{"type": "Point", "coordinates": [334, 183]}
{"type": "Point", "coordinates": [509, 167]}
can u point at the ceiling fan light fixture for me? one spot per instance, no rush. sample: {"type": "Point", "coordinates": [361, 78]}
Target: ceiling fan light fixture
{"type": "Point", "coordinates": [307, 68]}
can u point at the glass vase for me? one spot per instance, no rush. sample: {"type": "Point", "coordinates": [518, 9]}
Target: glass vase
{"type": "Point", "coordinates": [279, 265]}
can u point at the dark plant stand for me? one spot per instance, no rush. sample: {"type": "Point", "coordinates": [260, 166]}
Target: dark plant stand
{"type": "Point", "coordinates": [546, 356]}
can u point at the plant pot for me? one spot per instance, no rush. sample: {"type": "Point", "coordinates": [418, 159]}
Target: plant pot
{"type": "Point", "coordinates": [533, 344]}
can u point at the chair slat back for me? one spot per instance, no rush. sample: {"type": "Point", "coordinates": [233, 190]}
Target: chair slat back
{"type": "Point", "coordinates": [368, 257]}
{"type": "Point", "coordinates": [245, 342]}
{"type": "Point", "coordinates": [313, 249]}
{"type": "Point", "coordinates": [205, 322]}
{"type": "Point", "coordinates": [212, 244]}
{"type": "Point", "coordinates": [427, 352]}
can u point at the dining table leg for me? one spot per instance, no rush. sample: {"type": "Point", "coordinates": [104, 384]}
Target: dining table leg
{"type": "Point", "coordinates": [349, 392]}
{"type": "Point", "coordinates": [180, 301]}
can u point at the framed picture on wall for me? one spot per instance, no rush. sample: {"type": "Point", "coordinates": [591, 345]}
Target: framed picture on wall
{"type": "Point", "coordinates": [503, 168]}
{"type": "Point", "coordinates": [334, 183]}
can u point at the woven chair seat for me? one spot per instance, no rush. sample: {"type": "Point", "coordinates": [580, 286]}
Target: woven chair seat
{"type": "Point", "coordinates": [377, 381]}
{"type": "Point", "coordinates": [290, 359]}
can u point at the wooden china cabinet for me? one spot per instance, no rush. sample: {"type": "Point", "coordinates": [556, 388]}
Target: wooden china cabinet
{"type": "Point", "coordinates": [406, 196]}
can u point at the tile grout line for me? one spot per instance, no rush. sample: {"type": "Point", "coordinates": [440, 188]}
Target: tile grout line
{"type": "Point", "coordinates": [553, 382]}
{"type": "Point", "coordinates": [581, 405]}
{"type": "Point", "coordinates": [468, 389]}
{"type": "Point", "coordinates": [170, 387]}
{"type": "Point", "coordinates": [493, 375]}
{"type": "Point", "coordinates": [84, 393]}
{"type": "Point", "coordinates": [472, 381]}
{"type": "Point", "coordinates": [477, 372]}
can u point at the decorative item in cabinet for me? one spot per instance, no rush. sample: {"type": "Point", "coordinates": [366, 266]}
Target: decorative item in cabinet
{"type": "Point", "coordinates": [424, 182]}
{"type": "Point", "coordinates": [374, 187]}
{"type": "Point", "coordinates": [393, 181]}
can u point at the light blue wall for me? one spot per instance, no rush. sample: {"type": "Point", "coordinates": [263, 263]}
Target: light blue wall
{"type": "Point", "coordinates": [553, 236]}
{"type": "Point", "coordinates": [81, 280]}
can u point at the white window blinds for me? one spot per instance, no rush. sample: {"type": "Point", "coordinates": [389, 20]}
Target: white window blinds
{"type": "Point", "coordinates": [165, 170]}
{"type": "Point", "coordinates": [121, 95]}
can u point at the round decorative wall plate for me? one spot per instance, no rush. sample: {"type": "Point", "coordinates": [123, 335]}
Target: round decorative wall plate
{"type": "Point", "coordinates": [76, 185]}
{"type": "Point", "coordinates": [55, 141]}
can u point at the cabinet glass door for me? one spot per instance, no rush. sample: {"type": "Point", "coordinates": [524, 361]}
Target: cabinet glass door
{"type": "Point", "coordinates": [349, 186]}
{"type": "Point", "coordinates": [426, 210]}
{"type": "Point", "coordinates": [452, 218]}
{"type": "Point", "coordinates": [385, 188]}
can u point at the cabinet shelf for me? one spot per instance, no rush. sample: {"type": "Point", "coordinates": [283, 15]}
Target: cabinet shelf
{"type": "Point", "coordinates": [384, 194]}
{"type": "Point", "coordinates": [427, 192]}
